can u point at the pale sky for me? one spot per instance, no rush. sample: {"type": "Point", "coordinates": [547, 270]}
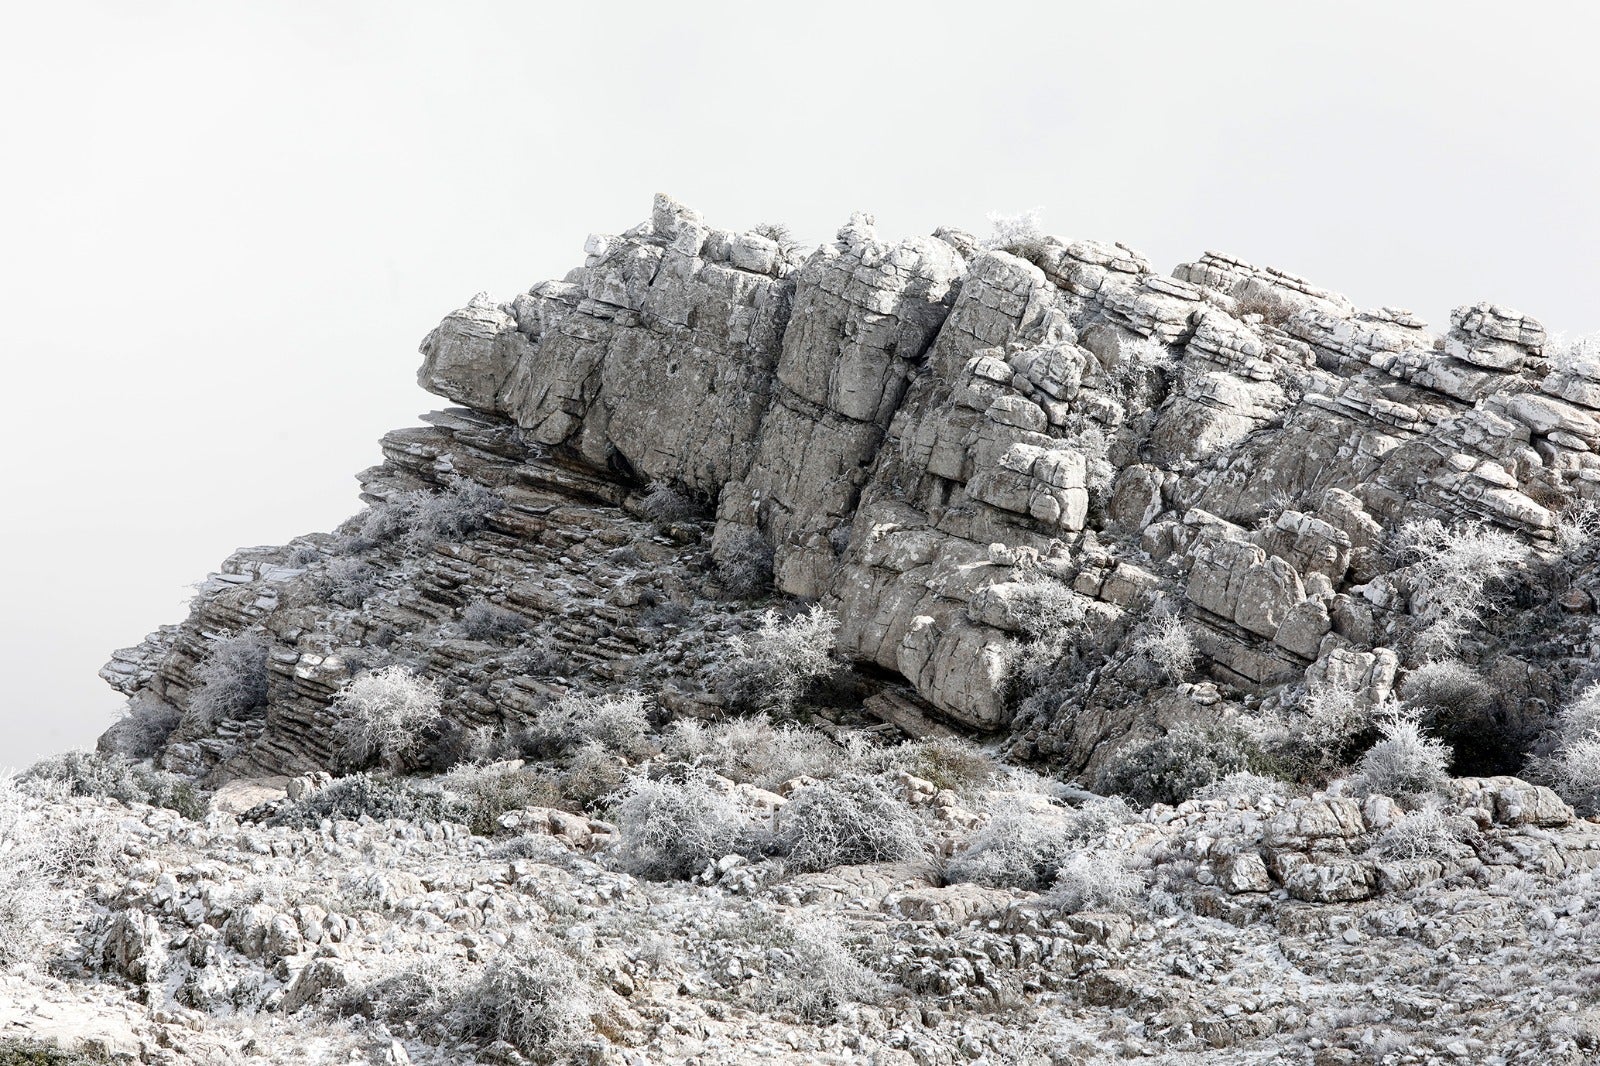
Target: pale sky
{"type": "Point", "coordinates": [225, 226]}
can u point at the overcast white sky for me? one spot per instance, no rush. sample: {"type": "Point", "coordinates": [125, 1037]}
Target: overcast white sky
{"type": "Point", "coordinates": [225, 226]}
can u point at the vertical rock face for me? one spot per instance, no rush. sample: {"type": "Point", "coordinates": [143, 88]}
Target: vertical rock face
{"type": "Point", "coordinates": [916, 430]}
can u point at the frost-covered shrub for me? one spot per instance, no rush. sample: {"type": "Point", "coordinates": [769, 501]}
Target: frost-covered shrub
{"type": "Point", "coordinates": [1454, 702]}
{"type": "Point", "coordinates": [1167, 648]}
{"type": "Point", "coordinates": [347, 581]}
{"type": "Point", "coordinates": [482, 620]}
{"type": "Point", "coordinates": [752, 750]}
{"type": "Point", "coordinates": [489, 791]}
{"type": "Point", "coordinates": [377, 797]}
{"type": "Point", "coordinates": [531, 996]}
{"type": "Point", "coordinates": [1043, 606]}
{"type": "Point", "coordinates": [744, 565]}
{"type": "Point", "coordinates": [541, 655]}
{"type": "Point", "coordinates": [853, 818]}
{"type": "Point", "coordinates": [781, 235]}
{"type": "Point", "coordinates": [772, 669]}
{"type": "Point", "coordinates": [96, 774]}
{"type": "Point", "coordinates": [1404, 763]}
{"type": "Point", "coordinates": [402, 988]}
{"type": "Point", "coordinates": [947, 762]}
{"type": "Point", "coordinates": [1454, 572]}
{"type": "Point", "coordinates": [1577, 529]}
{"type": "Point", "coordinates": [814, 973]}
{"type": "Point", "coordinates": [1020, 234]}
{"type": "Point", "coordinates": [1025, 848]}
{"type": "Point", "coordinates": [1274, 308]}
{"type": "Point", "coordinates": [22, 1051]}
{"type": "Point", "coordinates": [144, 727]}
{"type": "Point", "coordinates": [1578, 355]}
{"type": "Point", "coordinates": [614, 723]}
{"type": "Point", "coordinates": [1171, 768]}
{"type": "Point", "coordinates": [27, 900]}
{"type": "Point", "coordinates": [1581, 716]}
{"type": "Point", "coordinates": [418, 520]}
{"type": "Point", "coordinates": [1447, 685]}
{"type": "Point", "coordinates": [1316, 734]}
{"type": "Point", "coordinates": [233, 679]}
{"type": "Point", "coordinates": [1574, 769]}
{"type": "Point", "coordinates": [381, 716]}
{"type": "Point", "coordinates": [45, 847]}
{"type": "Point", "coordinates": [1425, 833]}
{"type": "Point", "coordinates": [1090, 440]}
{"type": "Point", "coordinates": [666, 505]}
{"type": "Point", "coordinates": [672, 829]}
{"type": "Point", "coordinates": [1243, 785]}
{"type": "Point", "coordinates": [1098, 881]}
{"type": "Point", "coordinates": [592, 776]}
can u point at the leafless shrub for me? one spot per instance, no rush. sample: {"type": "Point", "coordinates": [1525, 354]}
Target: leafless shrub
{"type": "Point", "coordinates": [947, 762]}
{"type": "Point", "coordinates": [772, 669]}
{"type": "Point", "coordinates": [110, 776]}
{"type": "Point", "coordinates": [1577, 529]}
{"type": "Point", "coordinates": [1574, 769]}
{"type": "Point", "coordinates": [593, 775]}
{"type": "Point", "coordinates": [614, 723]}
{"type": "Point", "coordinates": [1274, 308]}
{"type": "Point", "coordinates": [753, 750]}
{"type": "Point", "coordinates": [1245, 785]}
{"type": "Point", "coordinates": [1171, 768]}
{"type": "Point", "coordinates": [418, 520]}
{"type": "Point", "coordinates": [376, 796]}
{"type": "Point", "coordinates": [1026, 848]}
{"type": "Point", "coordinates": [233, 679]}
{"type": "Point", "coordinates": [1167, 647]}
{"type": "Point", "coordinates": [667, 505]}
{"type": "Point", "coordinates": [381, 716]}
{"type": "Point", "coordinates": [1425, 833]}
{"type": "Point", "coordinates": [1020, 234]}
{"type": "Point", "coordinates": [1404, 763]}
{"type": "Point", "coordinates": [815, 974]}
{"type": "Point", "coordinates": [1090, 439]}
{"type": "Point", "coordinates": [347, 581]}
{"type": "Point", "coordinates": [852, 818]}
{"type": "Point", "coordinates": [672, 829]}
{"type": "Point", "coordinates": [401, 988]}
{"type": "Point", "coordinates": [1578, 355]}
{"type": "Point", "coordinates": [1452, 699]}
{"type": "Point", "coordinates": [482, 620]}
{"type": "Point", "coordinates": [1446, 684]}
{"type": "Point", "coordinates": [531, 996]}
{"type": "Point", "coordinates": [489, 791]}
{"type": "Point", "coordinates": [781, 235]}
{"type": "Point", "coordinates": [744, 565]}
{"type": "Point", "coordinates": [1316, 734]}
{"type": "Point", "coordinates": [1454, 572]}
{"type": "Point", "coordinates": [1043, 606]}
{"type": "Point", "coordinates": [46, 849]}
{"type": "Point", "coordinates": [1098, 881]}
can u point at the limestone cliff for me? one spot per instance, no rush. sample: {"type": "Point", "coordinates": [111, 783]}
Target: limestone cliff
{"type": "Point", "coordinates": [920, 431]}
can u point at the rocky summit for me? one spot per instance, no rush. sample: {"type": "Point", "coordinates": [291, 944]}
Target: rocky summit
{"type": "Point", "coordinates": [910, 651]}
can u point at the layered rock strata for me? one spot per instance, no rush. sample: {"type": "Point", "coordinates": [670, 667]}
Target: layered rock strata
{"type": "Point", "coordinates": [917, 430]}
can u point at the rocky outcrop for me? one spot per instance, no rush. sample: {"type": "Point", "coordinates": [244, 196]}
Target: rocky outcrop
{"type": "Point", "coordinates": [914, 430]}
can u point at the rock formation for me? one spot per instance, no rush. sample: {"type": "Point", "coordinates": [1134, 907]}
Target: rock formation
{"type": "Point", "coordinates": [1216, 542]}
{"type": "Point", "coordinates": [918, 431]}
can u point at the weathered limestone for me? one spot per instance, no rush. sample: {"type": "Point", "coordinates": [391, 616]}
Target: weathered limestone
{"type": "Point", "coordinates": [915, 430]}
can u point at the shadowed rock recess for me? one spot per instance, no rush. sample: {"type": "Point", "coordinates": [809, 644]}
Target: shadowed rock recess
{"type": "Point", "coordinates": [921, 432]}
